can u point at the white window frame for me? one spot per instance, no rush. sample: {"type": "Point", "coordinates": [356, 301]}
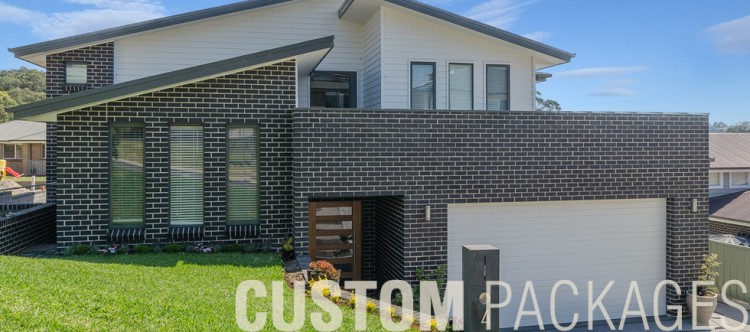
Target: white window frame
{"type": "Point", "coordinates": [731, 182]}
{"type": "Point", "coordinates": [15, 152]}
{"type": "Point", "coordinates": [721, 180]}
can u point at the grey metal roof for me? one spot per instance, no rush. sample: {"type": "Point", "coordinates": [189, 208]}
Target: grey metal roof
{"type": "Point", "coordinates": [22, 131]}
{"type": "Point", "coordinates": [109, 34]}
{"type": "Point", "coordinates": [161, 81]}
{"type": "Point", "coordinates": [733, 206]}
{"type": "Point", "coordinates": [474, 25]}
{"type": "Point", "coordinates": [729, 150]}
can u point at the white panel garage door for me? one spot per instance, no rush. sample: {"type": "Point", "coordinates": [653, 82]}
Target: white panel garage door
{"type": "Point", "coordinates": [581, 241]}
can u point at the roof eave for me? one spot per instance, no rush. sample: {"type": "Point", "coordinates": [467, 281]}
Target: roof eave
{"type": "Point", "coordinates": [113, 33]}
{"type": "Point", "coordinates": [40, 109]}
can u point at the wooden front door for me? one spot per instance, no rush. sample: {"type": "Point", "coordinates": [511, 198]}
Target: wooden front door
{"type": "Point", "coordinates": [336, 236]}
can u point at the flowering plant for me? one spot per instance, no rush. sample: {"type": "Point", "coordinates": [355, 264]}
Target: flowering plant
{"type": "Point", "coordinates": [323, 268]}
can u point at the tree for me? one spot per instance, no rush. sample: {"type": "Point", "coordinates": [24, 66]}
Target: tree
{"type": "Point", "coordinates": [718, 127]}
{"type": "Point", "coordinates": [18, 87]}
{"type": "Point", "coordinates": [6, 102]}
{"type": "Point", "coordinates": [546, 105]}
{"type": "Point", "coordinates": [741, 127]}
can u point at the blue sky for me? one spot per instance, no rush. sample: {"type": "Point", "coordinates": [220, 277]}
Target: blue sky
{"type": "Point", "coordinates": [632, 56]}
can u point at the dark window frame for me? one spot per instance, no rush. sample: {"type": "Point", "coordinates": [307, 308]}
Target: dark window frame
{"type": "Point", "coordinates": [434, 83]}
{"type": "Point", "coordinates": [113, 125]}
{"type": "Point", "coordinates": [353, 90]}
{"type": "Point", "coordinates": [487, 83]}
{"type": "Point", "coordinates": [76, 63]}
{"type": "Point", "coordinates": [257, 176]}
{"type": "Point", "coordinates": [473, 87]}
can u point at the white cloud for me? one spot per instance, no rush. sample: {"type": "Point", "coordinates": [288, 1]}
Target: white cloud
{"type": "Point", "coordinates": [102, 14]}
{"type": "Point", "coordinates": [538, 36]}
{"type": "Point", "coordinates": [598, 71]}
{"type": "Point", "coordinates": [731, 37]}
{"type": "Point", "coordinates": [613, 92]}
{"type": "Point", "coordinates": [498, 13]}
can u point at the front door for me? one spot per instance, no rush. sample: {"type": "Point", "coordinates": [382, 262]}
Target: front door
{"type": "Point", "coordinates": [336, 236]}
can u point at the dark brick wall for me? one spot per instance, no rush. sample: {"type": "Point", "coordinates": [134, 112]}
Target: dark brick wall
{"type": "Point", "coordinates": [716, 227]}
{"type": "Point", "coordinates": [98, 58]}
{"type": "Point", "coordinates": [441, 157]}
{"type": "Point", "coordinates": [264, 97]}
{"type": "Point", "coordinates": [100, 61]}
{"type": "Point", "coordinates": [32, 225]}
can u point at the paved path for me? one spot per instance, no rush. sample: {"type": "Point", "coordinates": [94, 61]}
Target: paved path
{"type": "Point", "coordinates": [40, 251]}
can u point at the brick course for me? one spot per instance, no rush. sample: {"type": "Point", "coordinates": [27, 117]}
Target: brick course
{"type": "Point", "coordinates": [263, 97]}
{"type": "Point", "coordinates": [438, 158]}
{"type": "Point", "coordinates": [716, 227]}
{"type": "Point", "coordinates": [100, 60]}
{"type": "Point", "coordinates": [30, 226]}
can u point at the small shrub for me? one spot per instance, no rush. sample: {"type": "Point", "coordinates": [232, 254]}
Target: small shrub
{"type": "Point", "coordinates": [123, 249]}
{"type": "Point", "coordinates": [82, 249]}
{"type": "Point", "coordinates": [173, 248]}
{"type": "Point", "coordinates": [188, 248]}
{"type": "Point", "coordinates": [250, 248]}
{"type": "Point", "coordinates": [219, 248]}
{"type": "Point", "coordinates": [143, 249]}
{"type": "Point", "coordinates": [371, 306]}
{"type": "Point", "coordinates": [433, 325]}
{"type": "Point", "coordinates": [157, 249]}
{"type": "Point", "coordinates": [68, 251]}
{"type": "Point", "coordinates": [266, 247]}
{"type": "Point", "coordinates": [709, 272]}
{"type": "Point", "coordinates": [234, 248]}
{"type": "Point", "coordinates": [353, 301]}
{"type": "Point", "coordinates": [323, 268]}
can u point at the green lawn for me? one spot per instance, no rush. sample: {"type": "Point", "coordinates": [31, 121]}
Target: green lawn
{"type": "Point", "coordinates": [152, 292]}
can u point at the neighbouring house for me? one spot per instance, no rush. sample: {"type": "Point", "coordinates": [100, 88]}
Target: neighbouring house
{"type": "Point", "coordinates": [729, 183]}
{"type": "Point", "coordinates": [24, 146]}
{"type": "Point", "coordinates": [380, 135]}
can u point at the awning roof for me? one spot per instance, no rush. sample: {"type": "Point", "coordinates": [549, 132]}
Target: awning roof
{"type": "Point", "coordinates": [308, 54]}
{"type": "Point", "coordinates": [23, 132]}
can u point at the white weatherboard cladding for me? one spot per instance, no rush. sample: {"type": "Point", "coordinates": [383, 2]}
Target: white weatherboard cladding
{"type": "Point", "coordinates": [581, 241]}
{"type": "Point", "coordinates": [372, 52]}
{"type": "Point", "coordinates": [240, 34]}
{"type": "Point", "coordinates": [409, 38]}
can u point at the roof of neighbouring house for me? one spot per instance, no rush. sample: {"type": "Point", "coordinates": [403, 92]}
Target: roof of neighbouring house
{"type": "Point", "coordinates": [310, 52]}
{"type": "Point", "coordinates": [23, 132]}
{"type": "Point", "coordinates": [734, 206]}
{"type": "Point", "coordinates": [729, 150]}
{"type": "Point", "coordinates": [165, 22]}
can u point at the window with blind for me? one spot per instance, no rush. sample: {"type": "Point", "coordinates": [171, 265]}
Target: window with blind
{"type": "Point", "coordinates": [186, 175]}
{"type": "Point", "coordinates": [498, 87]}
{"type": "Point", "coordinates": [461, 86]}
{"type": "Point", "coordinates": [242, 176]}
{"type": "Point", "coordinates": [76, 73]}
{"type": "Point", "coordinates": [126, 175]}
{"type": "Point", "coordinates": [423, 85]}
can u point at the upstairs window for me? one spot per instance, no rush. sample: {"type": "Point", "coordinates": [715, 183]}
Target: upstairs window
{"type": "Point", "coordinates": [461, 86]}
{"type": "Point", "coordinates": [739, 179]}
{"type": "Point", "coordinates": [76, 73]}
{"type": "Point", "coordinates": [423, 85]}
{"type": "Point", "coordinates": [333, 89]}
{"type": "Point", "coordinates": [715, 180]}
{"type": "Point", "coordinates": [498, 87]}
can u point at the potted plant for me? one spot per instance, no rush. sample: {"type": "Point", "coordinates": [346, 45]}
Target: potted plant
{"type": "Point", "coordinates": [706, 294]}
{"type": "Point", "coordinates": [287, 250]}
{"type": "Point", "coordinates": [322, 269]}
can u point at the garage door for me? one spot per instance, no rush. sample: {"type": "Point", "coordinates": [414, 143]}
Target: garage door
{"type": "Point", "coordinates": [581, 241]}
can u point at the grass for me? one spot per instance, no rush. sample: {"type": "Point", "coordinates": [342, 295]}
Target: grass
{"type": "Point", "coordinates": [151, 292]}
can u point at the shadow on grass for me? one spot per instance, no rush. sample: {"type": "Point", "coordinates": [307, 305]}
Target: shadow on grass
{"type": "Point", "coordinates": [172, 260]}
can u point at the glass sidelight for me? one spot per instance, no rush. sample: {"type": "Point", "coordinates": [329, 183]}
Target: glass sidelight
{"type": "Point", "coordinates": [335, 235]}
